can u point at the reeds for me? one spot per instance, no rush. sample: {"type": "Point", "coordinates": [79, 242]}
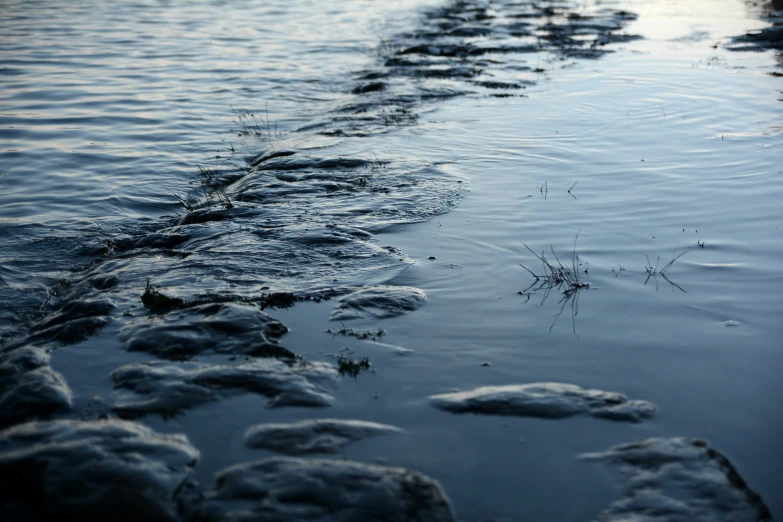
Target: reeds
{"type": "Point", "coordinates": [212, 190]}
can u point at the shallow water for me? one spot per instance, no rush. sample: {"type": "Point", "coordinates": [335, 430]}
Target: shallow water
{"type": "Point", "coordinates": [670, 144]}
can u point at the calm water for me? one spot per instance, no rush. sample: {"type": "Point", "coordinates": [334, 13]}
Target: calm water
{"type": "Point", "coordinates": [670, 144]}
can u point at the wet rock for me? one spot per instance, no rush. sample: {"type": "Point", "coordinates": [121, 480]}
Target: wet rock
{"type": "Point", "coordinates": [677, 480]}
{"type": "Point", "coordinates": [29, 388]}
{"type": "Point", "coordinates": [378, 301]}
{"type": "Point", "coordinates": [281, 489]}
{"type": "Point", "coordinates": [100, 470]}
{"type": "Point", "coordinates": [548, 400]}
{"type": "Point", "coordinates": [166, 388]}
{"type": "Point", "coordinates": [313, 436]}
{"type": "Point", "coordinates": [234, 328]}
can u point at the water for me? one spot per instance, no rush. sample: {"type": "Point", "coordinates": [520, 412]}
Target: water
{"type": "Point", "coordinates": [671, 144]}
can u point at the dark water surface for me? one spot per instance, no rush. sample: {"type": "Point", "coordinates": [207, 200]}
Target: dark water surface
{"type": "Point", "coordinates": [627, 133]}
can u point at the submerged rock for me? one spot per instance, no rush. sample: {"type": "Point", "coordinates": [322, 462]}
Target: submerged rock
{"type": "Point", "coordinates": [550, 400]}
{"type": "Point", "coordinates": [379, 301]}
{"type": "Point", "coordinates": [234, 328]}
{"type": "Point", "coordinates": [29, 388]}
{"type": "Point", "coordinates": [98, 470]}
{"type": "Point", "coordinates": [282, 489]}
{"type": "Point", "coordinates": [167, 388]}
{"type": "Point", "coordinates": [677, 480]}
{"type": "Point", "coordinates": [313, 436]}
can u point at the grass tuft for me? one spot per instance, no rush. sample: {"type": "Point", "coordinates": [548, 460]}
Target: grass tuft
{"type": "Point", "coordinates": [251, 125]}
{"type": "Point", "coordinates": [557, 277]}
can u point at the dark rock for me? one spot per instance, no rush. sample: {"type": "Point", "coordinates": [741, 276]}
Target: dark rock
{"type": "Point", "coordinates": [313, 436]}
{"type": "Point", "coordinates": [679, 480]}
{"type": "Point", "coordinates": [548, 400]}
{"type": "Point", "coordinates": [234, 328]}
{"type": "Point", "coordinates": [283, 489]}
{"type": "Point", "coordinates": [378, 301]}
{"type": "Point", "coordinates": [166, 388]}
{"type": "Point", "coordinates": [99, 470]}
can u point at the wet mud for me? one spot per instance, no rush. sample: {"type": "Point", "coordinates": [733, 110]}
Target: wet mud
{"type": "Point", "coordinates": [378, 301]}
{"type": "Point", "coordinates": [287, 488]}
{"type": "Point", "coordinates": [29, 388]}
{"type": "Point", "coordinates": [313, 436]}
{"type": "Point", "coordinates": [548, 400]}
{"type": "Point", "coordinates": [229, 328]}
{"type": "Point", "coordinates": [170, 388]}
{"type": "Point", "coordinates": [99, 470]}
{"type": "Point", "coordinates": [679, 479]}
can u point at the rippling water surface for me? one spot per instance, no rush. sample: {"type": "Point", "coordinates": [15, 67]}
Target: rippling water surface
{"type": "Point", "coordinates": [363, 143]}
